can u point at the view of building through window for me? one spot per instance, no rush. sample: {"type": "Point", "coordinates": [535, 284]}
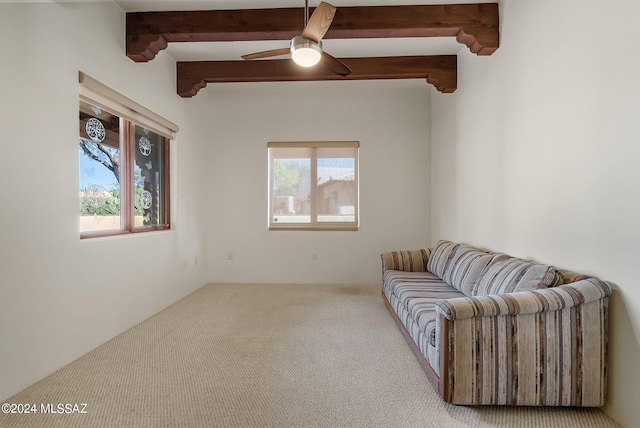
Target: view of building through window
{"type": "Point", "coordinates": [313, 185]}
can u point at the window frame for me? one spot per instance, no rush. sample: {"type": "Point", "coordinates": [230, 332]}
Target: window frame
{"type": "Point", "coordinates": [314, 224]}
{"type": "Point", "coordinates": [130, 114]}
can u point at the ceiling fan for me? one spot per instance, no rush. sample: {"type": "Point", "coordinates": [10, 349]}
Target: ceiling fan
{"type": "Point", "coordinates": [306, 49]}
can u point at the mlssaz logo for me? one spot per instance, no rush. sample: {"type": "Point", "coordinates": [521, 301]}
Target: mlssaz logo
{"type": "Point", "coordinates": [60, 408]}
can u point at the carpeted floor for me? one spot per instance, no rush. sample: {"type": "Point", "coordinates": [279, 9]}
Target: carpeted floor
{"type": "Point", "coordinates": [265, 356]}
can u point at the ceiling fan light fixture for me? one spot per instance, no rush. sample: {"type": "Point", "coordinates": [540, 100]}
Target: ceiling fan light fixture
{"type": "Point", "coordinates": [305, 52]}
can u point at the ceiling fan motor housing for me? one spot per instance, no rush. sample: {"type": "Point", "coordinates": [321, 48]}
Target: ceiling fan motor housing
{"type": "Point", "coordinates": [305, 52]}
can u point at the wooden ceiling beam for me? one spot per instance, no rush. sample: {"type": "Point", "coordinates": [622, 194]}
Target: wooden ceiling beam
{"type": "Point", "coordinates": [475, 25]}
{"type": "Point", "coordinates": [440, 71]}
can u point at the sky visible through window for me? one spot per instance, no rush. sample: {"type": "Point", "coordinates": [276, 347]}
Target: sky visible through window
{"type": "Point", "coordinates": [336, 162]}
{"type": "Point", "coordinates": [327, 162]}
{"type": "Point", "coordinates": [94, 173]}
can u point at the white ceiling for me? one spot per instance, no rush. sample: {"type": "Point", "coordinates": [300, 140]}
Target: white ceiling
{"type": "Point", "coordinates": [340, 48]}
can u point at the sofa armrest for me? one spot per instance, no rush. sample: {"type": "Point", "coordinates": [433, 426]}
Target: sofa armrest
{"type": "Point", "coordinates": [525, 302]}
{"type": "Point", "coordinates": [538, 348]}
{"type": "Point", "coordinates": [407, 260]}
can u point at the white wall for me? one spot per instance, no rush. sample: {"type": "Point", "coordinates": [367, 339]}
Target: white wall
{"type": "Point", "coordinates": [391, 121]}
{"type": "Point", "coordinates": [537, 154]}
{"type": "Point", "coordinates": [59, 296]}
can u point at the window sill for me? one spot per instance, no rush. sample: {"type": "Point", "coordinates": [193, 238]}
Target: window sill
{"type": "Point", "coordinates": [346, 228]}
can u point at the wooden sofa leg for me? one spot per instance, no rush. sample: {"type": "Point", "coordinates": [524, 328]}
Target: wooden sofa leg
{"type": "Point", "coordinates": [444, 386]}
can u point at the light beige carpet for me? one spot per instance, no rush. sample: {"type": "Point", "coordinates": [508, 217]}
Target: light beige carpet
{"type": "Point", "coordinates": [265, 356]}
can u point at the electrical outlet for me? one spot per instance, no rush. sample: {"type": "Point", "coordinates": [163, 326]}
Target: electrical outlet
{"type": "Point", "coordinates": [314, 257]}
{"type": "Point", "coordinates": [229, 256]}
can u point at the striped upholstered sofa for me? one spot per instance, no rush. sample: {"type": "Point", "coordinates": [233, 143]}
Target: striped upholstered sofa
{"type": "Point", "coordinates": [491, 329]}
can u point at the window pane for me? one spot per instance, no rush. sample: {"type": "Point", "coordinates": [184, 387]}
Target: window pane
{"type": "Point", "coordinates": [336, 190]}
{"type": "Point", "coordinates": [149, 178]}
{"type": "Point", "coordinates": [100, 161]}
{"type": "Point", "coordinates": [313, 185]}
{"type": "Point", "coordinates": [291, 201]}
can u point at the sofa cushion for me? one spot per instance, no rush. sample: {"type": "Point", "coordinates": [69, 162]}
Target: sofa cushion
{"type": "Point", "coordinates": [465, 268]}
{"type": "Point", "coordinates": [440, 257]}
{"type": "Point", "coordinates": [413, 296]}
{"type": "Point", "coordinates": [421, 318]}
{"type": "Point", "coordinates": [505, 274]}
{"type": "Point", "coordinates": [404, 285]}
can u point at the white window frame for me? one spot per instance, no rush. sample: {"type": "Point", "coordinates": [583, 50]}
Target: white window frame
{"type": "Point", "coordinates": [314, 224]}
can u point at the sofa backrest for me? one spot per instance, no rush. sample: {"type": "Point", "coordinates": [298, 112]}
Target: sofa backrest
{"type": "Point", "coordinates": [510, 274]}
{"type": "Point", "coordinates": [440, 257]}
{"type": "Point", "coordinates": [477, 272]}
{"type": "Point", "coordinates": [459, 265]}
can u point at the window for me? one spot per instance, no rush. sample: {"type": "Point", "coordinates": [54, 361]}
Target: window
{"type": "Point", "coordinates": [124, 164]}
{"type": "Point", "coordinates": [100, 170]}
{"type": "Point", "coordinates": [313, 185]}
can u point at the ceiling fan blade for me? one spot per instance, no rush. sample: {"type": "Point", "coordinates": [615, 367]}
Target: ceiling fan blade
{"type": "Point", "coordinates": [335, 64]}
{"type": "Point", "coordinates": [319, 22]}
{"type": "Point", "coordinates": [267, 54]}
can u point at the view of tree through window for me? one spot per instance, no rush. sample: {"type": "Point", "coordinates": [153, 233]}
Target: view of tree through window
{"type": "Point", "coordinates": [123, 174]}
{"type": "Point", "coordinates": [291, 178]}
{"type": "Point", "coordinates": [149, 177]}
{"type": "Point", "coordinates": [313, 185]}
{"type": "Point", "coordinates": [100, 165]}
